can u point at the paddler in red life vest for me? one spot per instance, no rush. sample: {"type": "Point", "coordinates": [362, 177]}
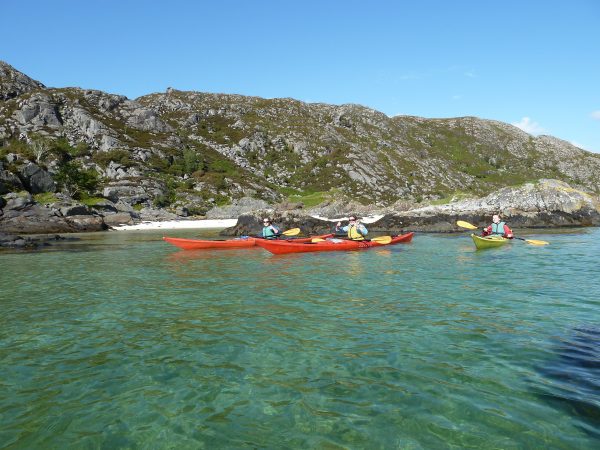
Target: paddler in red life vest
{"type": "Point", "coordinates": [356, 230]}
{"type": "Point", "coordinates": [497, 228]}
{"type": "Point", "coordinates": [269, 230]}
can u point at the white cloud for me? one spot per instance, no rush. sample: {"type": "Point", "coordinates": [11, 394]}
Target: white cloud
{"type": "Point", "coordinates": [456, 97]}
{"type": "Point", "coordinates": [470, 75]}
{"type": "Point", "coordinates": [529, 126]}
{"type": "Point", "coordinates": [595, 115]}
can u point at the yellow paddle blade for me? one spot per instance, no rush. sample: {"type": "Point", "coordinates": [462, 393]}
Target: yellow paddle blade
{"type": "Point", "coordinates": [291, 232]}
{"type": "Point", "coordinates": [382, 239]}
{"type": "Point", "coordinates": [536, 242]}
{"type": "Point", "coordinates": [317, 240]}
{"type": "Point", "coordinates": [467, 225]}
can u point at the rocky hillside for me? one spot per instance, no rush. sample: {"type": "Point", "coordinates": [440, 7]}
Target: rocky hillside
{"type": "Point", "coordinates": [188, 152]}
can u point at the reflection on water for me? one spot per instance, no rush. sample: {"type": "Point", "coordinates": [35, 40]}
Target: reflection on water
{"type": "Point", "coordinates": [131, 343]}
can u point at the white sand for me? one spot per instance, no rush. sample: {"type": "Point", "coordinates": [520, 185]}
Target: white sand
{"type": "Point", "coordinates": [366, 219]}
{"type": "Point", "coordinates": [178, 224]}
{"type": "Point", "coordinates": [215, 223]}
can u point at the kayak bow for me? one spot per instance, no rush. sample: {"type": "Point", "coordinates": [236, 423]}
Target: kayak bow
{"type": "Point", "coordinates": [200, 244]}
{"type": "Point", "coordinates": [489, 241]}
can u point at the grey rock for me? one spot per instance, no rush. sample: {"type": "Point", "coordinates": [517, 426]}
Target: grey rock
{"type": "Point", "coordinates": [37, 180]}
{"type": "Point", "coordinates": [38, 112]}
{"type": "Point", "coordinates": [104, 206]}
{"type": "Point", "coordinates": [242, 206]}
{"type": "Point", "coordinates": [14, 83]}
{"type": "Point", "coordinates": [36, 219]}
{"type": "Point", "coordinates": [147, 120]}
{"type": "Point", "coordinates": [123, 218]}
{"type": "Point", "coordinates": [9, 182]}
{"type": "Point", "coordinates": [75, 210]}
{"type": "Point", "coordinates": [182, 211]}
{"type": "Point", "coordinates": [133, 192]}
{"type": "Point", "coordinates": [17, 201]}
{"type": "Point", "coordinates": [153, 214]}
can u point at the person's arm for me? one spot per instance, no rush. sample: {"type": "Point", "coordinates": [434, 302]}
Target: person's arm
{"type": "Point", "coordinates": [508, 232]}
{"type": "Point", "coordinates": [275, 230]}
{"type": "Point", "coordinates": [339, 227]}
{"type": "Point", "coordinates": [487, 230]}
{"type": "Point", "coordinates": [363, 230]}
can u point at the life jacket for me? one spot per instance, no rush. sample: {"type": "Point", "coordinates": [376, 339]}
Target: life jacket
{"type": "Point", "coordinates": [498, 229]}
{"type": "Point", "coordinates": [354, 234]}
{"type": "Point", "coordinates": [268, 233]}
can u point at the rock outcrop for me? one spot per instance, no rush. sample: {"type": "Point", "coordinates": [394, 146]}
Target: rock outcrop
{"type": "Point", "coordinates": [14, 83]}
{"type": "Point", "coordinates": [176, 154]}
{"type": "Point", "coordinates": [546, 204]}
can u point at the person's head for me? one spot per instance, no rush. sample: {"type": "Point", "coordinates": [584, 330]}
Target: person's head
{"type": "Point", "coordinates": [266, 221]}
{"type": "Point", "coordinates": [496, 218]}
{"type": "Point", "coordinates": [352, 218]}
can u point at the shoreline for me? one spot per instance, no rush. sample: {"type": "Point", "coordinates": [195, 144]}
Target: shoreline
{"type": "Point", "coordinates": [208, 223]}
{"type": "Point", "coordinates": [178, 225]}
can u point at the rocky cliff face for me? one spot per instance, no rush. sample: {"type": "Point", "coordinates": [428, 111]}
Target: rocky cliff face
{"type": "Point", "coordinates": [193, 151]}
{"type": "Point", "coordinates": [14, 83]}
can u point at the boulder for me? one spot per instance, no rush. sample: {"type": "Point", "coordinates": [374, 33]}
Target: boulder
{"type": "Point", "coordinates": [18, 200]}
{"type": "Point", "coordinates": [133, 192]}
{"type": "Point", "coordinates": [9, 182]}
{"type": "Point", "coordinates": [37, 219]}
{"type": "Point", "coordinates": [38, 112]}
{"type": "Point", "coordinates": [239, 207]}
{"type": "Point", "coordinates": [104, 206]}
{"type": "Point", "coordinates": [79, 224]}
{"type": "Point", "coordinates": [37, 180]}
{"type": "Point", "coordinates": [118, 219]}
{"type": "Point", "coordinates": [75, 210]}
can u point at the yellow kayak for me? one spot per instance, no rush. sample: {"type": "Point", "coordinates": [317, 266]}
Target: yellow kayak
{"type": "Point", "coordinates": [489, 241]}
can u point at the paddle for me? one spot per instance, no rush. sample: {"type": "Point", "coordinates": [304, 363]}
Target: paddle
{"type": "Point", "coordinates": [467, 225]}
{"type": "Point", "coordinates": [379, 239]}
{"type": "Point", "coordinates": [291, 232]}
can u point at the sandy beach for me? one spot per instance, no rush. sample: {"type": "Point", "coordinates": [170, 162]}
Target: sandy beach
{"type": "Point", "coordinates": [215, 223]}
{"type": "Point", "coordinates": [366, 219]}
{"type": "Point", "coordinates": [178, 224]}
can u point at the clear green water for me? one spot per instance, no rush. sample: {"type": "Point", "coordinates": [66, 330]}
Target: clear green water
{"type": "Point", "coordinates": [122, 341]}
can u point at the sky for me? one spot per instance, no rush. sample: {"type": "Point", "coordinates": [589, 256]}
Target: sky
{"type": "Point", "coordinates": [534, 64]}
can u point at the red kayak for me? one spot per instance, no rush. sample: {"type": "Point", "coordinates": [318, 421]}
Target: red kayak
{"type": "Point", "coordinates": [245, 242]}
{"type": "Point", "coordinates": [330, 245]}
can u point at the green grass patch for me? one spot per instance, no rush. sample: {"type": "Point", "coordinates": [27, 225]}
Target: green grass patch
{"type": "Point", "coordinates": [311, 199]}
{"type": "Point", "coordinates": [45, 197]}
{"type": "Point", "coordinates": [91, 201]}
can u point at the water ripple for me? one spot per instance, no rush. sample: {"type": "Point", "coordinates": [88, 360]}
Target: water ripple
{"type": "Point", "coordinates": [130, 344]}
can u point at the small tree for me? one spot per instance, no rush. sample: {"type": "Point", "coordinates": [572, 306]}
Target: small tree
{"type": "Point", "coordinates": [40, 148]}
{"type": "Point", "coordinates": [75, 180]}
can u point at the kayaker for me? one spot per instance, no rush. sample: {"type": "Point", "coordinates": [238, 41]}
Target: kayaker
{"type": "Point", "coordinates": [269, 230]}
{"type": "Point", "coordinates": [356, 230]}
{"type": "Point", "coordinates": [497, 228]}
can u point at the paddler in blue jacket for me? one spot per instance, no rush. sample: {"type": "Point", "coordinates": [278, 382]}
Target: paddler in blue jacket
{"type": "Point", "coordinates": [269, 230]}
{"type": "Point", "coordinates": [356, 230]}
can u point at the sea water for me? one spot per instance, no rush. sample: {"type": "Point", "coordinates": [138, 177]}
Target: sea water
{"type": "Point", "coordinates": [119, 340]}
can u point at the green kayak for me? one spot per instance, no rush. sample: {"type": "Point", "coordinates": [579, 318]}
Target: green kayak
{"type": "Point", "coordinates": [489, 241]}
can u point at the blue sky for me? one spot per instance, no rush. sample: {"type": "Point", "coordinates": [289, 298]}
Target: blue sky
{"type": "Point", "coordinates": [532, 63]}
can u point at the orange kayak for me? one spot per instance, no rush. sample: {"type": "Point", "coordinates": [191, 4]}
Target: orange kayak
{"type": "Point", "coordinates": [244, 242]}
{"type": "Point", "coordinates": [282, 247]}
